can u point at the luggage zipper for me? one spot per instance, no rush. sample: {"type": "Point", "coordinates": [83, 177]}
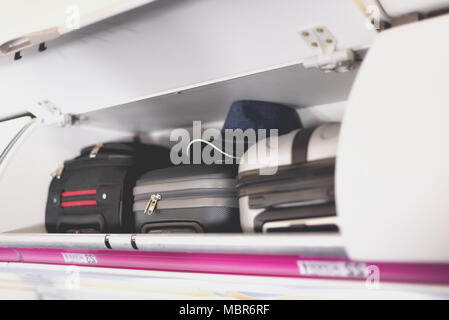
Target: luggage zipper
{"type": "Point", "coordinates": [95, 150]}
{"type": "Point", "coordinates": [58, 172]}
{"type": "Point", "coordinates": [110, 160]}
{"type": "Point", "coordinates": [151, 205]}
{"type": "Point", "coordinates": [175, 195]}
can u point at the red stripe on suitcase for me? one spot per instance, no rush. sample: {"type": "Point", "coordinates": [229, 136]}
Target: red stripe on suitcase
{"type": "Point", "coordinates": [79, 203]}
{"type": "Point", "coordinates": [78, 193]}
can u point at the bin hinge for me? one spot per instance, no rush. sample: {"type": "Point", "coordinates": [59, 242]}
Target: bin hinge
{"type": "Point", "coordinates": [48, 113]}
{"type": "Point", "coordinates": [329, 59]}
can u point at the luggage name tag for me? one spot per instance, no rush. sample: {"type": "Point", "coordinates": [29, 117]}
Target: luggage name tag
{"type": "Point", "coordinates": [151, 205]}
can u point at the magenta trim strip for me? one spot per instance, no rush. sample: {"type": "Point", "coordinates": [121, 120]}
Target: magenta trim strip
{"type": "Point", "coordinates": [9, 255]}
{"type": "Point", "coordinates": [237, 264]}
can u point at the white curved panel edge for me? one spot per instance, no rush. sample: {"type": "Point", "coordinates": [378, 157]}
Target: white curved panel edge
{"type": "Point", "coordinates": [302, 244]}
{"type": "Point", "coordinates": [25, 23]}
{"type": "Point", "coordinates": [171, 44]}
{"type": "Point", "coordinates": [393, 165]}
{"type": "Point", "coordinates": [397, 8]}
{"type": "Point", "coordinates": [291, 85]}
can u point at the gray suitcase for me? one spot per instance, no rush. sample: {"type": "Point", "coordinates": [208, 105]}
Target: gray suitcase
{"type": "Point", "coordinates": [187, 199]}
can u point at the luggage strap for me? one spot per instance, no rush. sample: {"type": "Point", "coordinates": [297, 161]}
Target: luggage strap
{"type": "Point", "coordinates": [300, 145]}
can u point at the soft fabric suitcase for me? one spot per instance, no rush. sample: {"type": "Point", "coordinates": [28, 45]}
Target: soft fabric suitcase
{"type": "Point", "coordinates": [187, 199]}
{"type": "Point", "coordinates": [93, 192]}
{"type": "Point", "coordinates": [299, 194]}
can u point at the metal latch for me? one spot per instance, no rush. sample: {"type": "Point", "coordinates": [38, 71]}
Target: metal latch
{"type": "Point", "coordinates": [330, 59]}
{"type": "Point", "coordinates": [93, 153]}
{"type": "Point", "coordinates": [48, 114]}
{"type": "Point", "coordinates": [151, 205]}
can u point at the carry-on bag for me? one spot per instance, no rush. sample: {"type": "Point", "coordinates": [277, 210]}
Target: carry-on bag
{"type": "Point", "coordinates": [298, 193]}
{"type": "Point", "coordinates": [187, 199]}
{"type": "Point", "coordinates": [93, 192]}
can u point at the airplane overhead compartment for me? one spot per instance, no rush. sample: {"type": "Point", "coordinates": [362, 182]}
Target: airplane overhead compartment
{"type": "Point", "coordinates": [172, 44]}
{"type": "Point", "coordinates": [170, 63]}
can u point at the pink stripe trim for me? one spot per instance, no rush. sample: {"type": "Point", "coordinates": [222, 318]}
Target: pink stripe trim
{"type": "Point", "coordinates": [239, 264]}
{"type": "Point", "coordinates": [9, 255]}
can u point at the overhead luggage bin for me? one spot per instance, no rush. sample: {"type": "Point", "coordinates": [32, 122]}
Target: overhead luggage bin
{"type": "Point", "coordinates": [173, 44]}
{"type": "Point", "coordinates": [166, 64]}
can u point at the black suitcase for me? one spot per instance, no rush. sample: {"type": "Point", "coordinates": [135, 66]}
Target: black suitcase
{"type": "Point", "coordinates": [93, 192]}
{"type": "Point", "coordinates": [187, 199]}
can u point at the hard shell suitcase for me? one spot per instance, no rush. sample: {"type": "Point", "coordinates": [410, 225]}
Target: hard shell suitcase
{"type": "Point", "coordinates": [93, 192]}
{"type": "Point", "coordinates": [299, 195]}
{"type": "Point", "coordinates": [187, 199]}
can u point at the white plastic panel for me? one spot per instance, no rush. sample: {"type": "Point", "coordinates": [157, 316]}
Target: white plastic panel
{"type": "Point", "coordinates": [291, 85]}
{"type": "Point", "coordinates": [170, 44]}
{"type": "Point", "coordinates": [35, 21]}
{"type": "Point", "coordinates": [393, 166]}
{"type": "Point", "coordinates": [396, 8]}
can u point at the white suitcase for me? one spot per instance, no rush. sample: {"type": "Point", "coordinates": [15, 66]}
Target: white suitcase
{"type": "Point", "coordinates": [301, 188]}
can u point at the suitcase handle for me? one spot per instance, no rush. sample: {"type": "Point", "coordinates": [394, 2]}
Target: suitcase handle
{"type": "Point", "coordinates": [172, 227]}
{"type": "Point", "coordinates": [81, 223]}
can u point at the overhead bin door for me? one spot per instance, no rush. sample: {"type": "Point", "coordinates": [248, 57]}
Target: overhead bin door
{"type": "Point", "coordinates": [170, 44]}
